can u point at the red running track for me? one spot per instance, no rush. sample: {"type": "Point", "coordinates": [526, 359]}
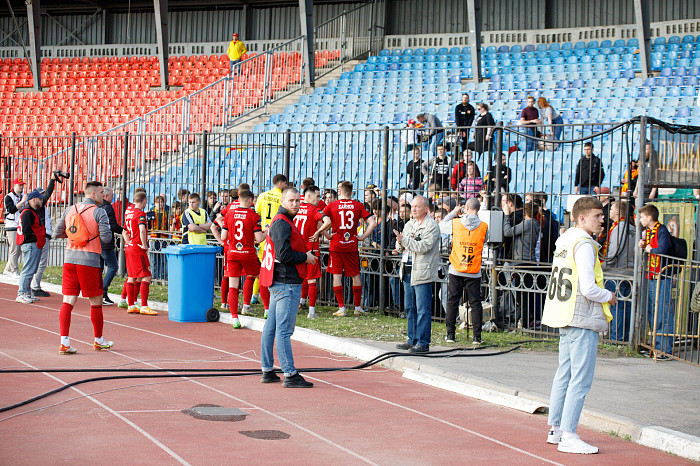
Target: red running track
{"type": "Point", "coordinates": [373, 416]}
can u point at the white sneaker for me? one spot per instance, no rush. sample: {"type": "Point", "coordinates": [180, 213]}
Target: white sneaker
{"type": "Point", "coordinates": [24, 299]}
{"type": "Point", "coordinates": [340, 312]}
{"type": "Point", "coordinates": [360, 312]}
{"type": "Point", "coordinates": [576, 445]}
{"type": "Point", "coordinates": [311, 315]}
{"type": "Point", "coordinates": [554, 436]}
{"type": "Point", "coordinates": [245, 310]}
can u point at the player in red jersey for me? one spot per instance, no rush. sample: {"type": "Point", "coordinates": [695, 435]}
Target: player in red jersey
{"type": "Point", "coordinates": [307, 182]}
{"type": "Point", "coordinates": [345, 214]}
{"type": "Point", "coordinates": [137, 263]}
{"type": "Point", "coordinates": [307, 221]}
{"type": "Point", "coordinates": [241, 230]}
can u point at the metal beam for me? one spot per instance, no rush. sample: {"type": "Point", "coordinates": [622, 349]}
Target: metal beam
{"type": "Point", "coordinates": [474, 18]}
{"type": "Point", "coordinates": [306, 18]}
{"type": "Point", "coordinates": [34, 18]}
{"type": "Point", "coordinates": [161, 7]}
{"type": "Point", "coordinates": [78, 29]}
{"type": "Point", "coordinates": [8, 35]}
{"type": "Point", "coordinates": [70, 33]}
{"type": "Point", "coordinates": [642, 25]}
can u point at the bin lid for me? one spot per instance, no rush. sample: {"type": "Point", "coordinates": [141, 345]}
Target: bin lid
{"type": "Point", "coordinates": [183, 249]}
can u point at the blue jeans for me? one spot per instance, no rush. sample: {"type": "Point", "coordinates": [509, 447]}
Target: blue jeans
{"type": "Point", "coordinates": [587, 190]}
{"type": "Point", "coordinates": [31, 255]}
{"type": "Point", "coordinates": [664, 316]}
{"type": "Point", "coordinates": [159, 261]}
{"type": "Point", "coordinates": [558, 129]}
{"type": "Point", "coordinates": [108, 258]}
{"type": "Point", "coordinates": [418, 314]}
{"type": "Point", "coordinates": [279, 327]}
{"type": "Point", "coordinates": [578, 348]}
{"type": "Point", "coordinates": [369, 284]}
{"type": "Point", "coordinates": [433, 142]}
{"type": "Point", "coordinates": [43, 263]}
{"type": "Point", "coordinates": [395, 286]}
{"type": "Point", "coordinates": [621, 312]}
{"type": "Point", "coordinates": [233, 64]}
{"type": "Point", "coordinates": [530, 144]}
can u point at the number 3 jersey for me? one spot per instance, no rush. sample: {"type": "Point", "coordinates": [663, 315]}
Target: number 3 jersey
{"type": "Point", "coordinates": [242, 224]}
{"type": "Point", "coordinates": [345, 217]}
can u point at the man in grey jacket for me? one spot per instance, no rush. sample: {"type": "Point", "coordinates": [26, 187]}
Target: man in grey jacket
{"type": "Point", "coordinates": [469, 234]}
{"type": "Point", "coordinates": [436, 136]}
{"type": "Point", "coordinates": [619, 255]}
{"type": "Point", "coordinates": [419, 244]}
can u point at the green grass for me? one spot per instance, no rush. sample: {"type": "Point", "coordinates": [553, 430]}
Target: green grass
{"type": "Point", "coordinates": [374, 326]}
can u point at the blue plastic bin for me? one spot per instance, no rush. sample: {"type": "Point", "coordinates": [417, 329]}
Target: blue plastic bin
{"type": "Point", "coordinates": [191, 270]}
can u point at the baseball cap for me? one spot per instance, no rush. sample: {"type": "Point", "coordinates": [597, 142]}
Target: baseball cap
{"type": "Point", "coordinates": [235, 34]}
{"type": "Point", "coordinates": [411, 121]}
{"type": "Point", "coordinates": [370, 186]}
{"type": "Point", "coordinates": [19, 181]}
{"type": "Point", "coordinates": [34, 195]}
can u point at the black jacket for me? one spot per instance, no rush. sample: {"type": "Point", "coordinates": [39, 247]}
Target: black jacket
{"type": "Point", "coordinates": [113, 224]}
{"type": "Point", "coordinates": [286, 258]}
{"type": "Point", "coordinates": [464, 115]}
{"type": "Point", "coordinates": [550, 234]}
{"type": "Point", "coordinates": [41, 212]}
{"type": "Point", "coordinates": [589, 172]}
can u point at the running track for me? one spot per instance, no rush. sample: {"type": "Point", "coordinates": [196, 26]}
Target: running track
{"type": "Point", "coordinates": [362, 417]}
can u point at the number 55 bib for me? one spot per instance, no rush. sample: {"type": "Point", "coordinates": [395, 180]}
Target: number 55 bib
{"type": "Point", "coordinates": [563, 287]}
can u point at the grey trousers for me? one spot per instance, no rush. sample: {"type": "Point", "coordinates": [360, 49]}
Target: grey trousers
{"type": "Point", "coordinates": [13, 253]}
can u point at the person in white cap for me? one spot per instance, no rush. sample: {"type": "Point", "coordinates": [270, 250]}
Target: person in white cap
{"type": "Point", "coordinates": [15, 201]}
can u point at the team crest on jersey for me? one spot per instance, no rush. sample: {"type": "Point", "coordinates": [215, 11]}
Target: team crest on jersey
{"type": "Point", "coordinates": [239, 246]}
{"type": "Point", "coordinates": [346, 236]}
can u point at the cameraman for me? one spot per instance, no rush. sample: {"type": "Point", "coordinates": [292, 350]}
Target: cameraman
{"type": "Point", "coordinates": [14, 203]}
{"type": "Point", "coordinates": [45, 221]}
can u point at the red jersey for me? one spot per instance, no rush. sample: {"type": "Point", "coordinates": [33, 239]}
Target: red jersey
{"type": "Point", "coordinates": [242, 224]}
{"type": "Point", "coordinates": [321, 205]}
{"type": "Point", "coordinates": [306, 220]}
{"type": "Point", "coordinates": [345, 217]}
{"type": "Point", "coordinates": [132, 220]}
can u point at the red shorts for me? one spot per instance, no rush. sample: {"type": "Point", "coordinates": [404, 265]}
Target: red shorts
{"type": "Point", "coordinates": [77, 278]}
{"type": "Point", "coordinates": [238, 265]}
{"type": "Point", "coordinates": [137, 264]}
{"type": "Point", "coordinates": [344, 261]}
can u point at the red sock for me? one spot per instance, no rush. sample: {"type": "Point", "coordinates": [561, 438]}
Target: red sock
{"type": "Point", "coordinates": [224, 289]}
{"type": "Point", "coordinates": [97, 320]}
{"type": "Point", "coordinates": [248, 290]}
{"type": "Point", "coordinates": [304, 289]}
{"type": "Point", "coordinates": [64, 318]}
{"type": "Point", "coordinates": [338, 291]}
{"type": "Point", "coordinates": [313, 294]}
{"type": "Point", "coordinates": [130, 293]}
{"type": "Point", "coordinates": [124, 289]}
{"type": "Point", "coordinates": [265, 295]}
{"type": "Point", "coordinates": [357, 295]}
{"type": "Point", "coordinates": [233, 301]}
{"type": "Point", "coordinates": [145, 286]}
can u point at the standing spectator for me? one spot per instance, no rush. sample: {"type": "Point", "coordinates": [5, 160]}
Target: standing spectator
{"type": "Point", "coordinates": [108, 255]}
{"type": "Point", "coordinates": [45, 220]}
{"type": "Point", "coordinates": [31, 238]}
{"type": "Point", "coordinates": [283, 269]}
{"type": "Point", "coordinates": [515, 217]}
{"type": "Point", "coordinates": [530, 118]}
{"type": "Point", "coordinates": [420, 244]}
{"type": "Point", "coordinates": [505, 175]}
{"type": "Point", "coordinates": [210, 204]}
{"type": "Point", "coordinates": [433, 128]}
{"type": "Point", "coordinates": [235, 52]}
{"type": "Point", "coordinates": [464, 117]}
{"type": "Point", "coordinates": [120, 211]}
{"type": "Point", "coordinates": [484, 124]}
{"type": "Point", "coordinates": [176, 221]}
{"type": "Point", "coordinates": [460, 169]}
{"type": "Point", "coordinates": [157, 228]}
{"type": "Point", "coordinates": [550, 227]}
{"type": "Point", "coordinates": [183, 196]}
{"type": "Point", "coordinates": [195, 222]}
{"type": "Point", "coordinates": [589, 171]}
{"type": "Point", "coordinates": [224, 199]}
{"type": "Point", "coordinates": [438, 169]}
{"type": "Point", "coordinates": [14, 203]}
{"type": "Point", "coordinates": [549, 116]}
{"type": "Point", "coordinates": [657, 240]}
{"type": "Point", "coordinates": [370, 197]}
{"type": "Point", "coordinates": [415, 172]}
{"type": "Point", "coordinates": [651, 161]}
{"type": "Point", "coordinates": [468, 238]}
{"type": "Point", "coordinates": [411, 136]}
{"type": "Point", "coordinates": [471, 185]}
{"type": "Point", "coordinates": [577, 304]}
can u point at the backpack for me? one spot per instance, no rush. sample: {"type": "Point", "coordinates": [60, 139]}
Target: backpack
{"type": "Point", "coordinates": [76, 230]}
{"type": "Point", "coordinates": [679, 248]}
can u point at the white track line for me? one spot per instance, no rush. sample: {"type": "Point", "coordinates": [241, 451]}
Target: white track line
{"type": "Point", "coordinates": [155, 441]}
{"type": "Point", "coordinates": [391, 403]}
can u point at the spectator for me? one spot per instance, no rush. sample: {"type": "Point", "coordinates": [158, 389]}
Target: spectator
{"type": "Point", "coordinates": [618, 253]}
{"type": "Point", "coordinates": [629, 179]}
{"type": "Point", "coordinates": [651, 161]}
{"type": "Point", "coordinates": [330, 195]}
{"type": "Point", "coordinates": [433, 128]}
{"type": "Point", "coordinates": [515, 207]}
{"type": "Point", "coordinates": [45, 220]}
{"type": "Point", "coordinates": [157, 226]}
{"type": "Point", "coordinates": [460, 169]}
{"type": "Point", "coordinates": [471, 185]}
{"type": "Point", "coordinates": [438, 169]}
{"type": "Point", "coordinates": [224, 199]}
{"type": "Point", "coordinates": [549, 227]}
{"type": "Point", "coordinates": [414, 171]}
{"type": "Point", "coordinates": [464, 117]}
{"type": "Point", "coordinates": [549, 116]}
{"type": "Point", "coordinates": [176, 221]}
{"type": "Point", "coordinates": [405, 199]}
{"type": "Point", "coordinates": [14, 203]}
{"type": "Point", "coordinates": [31, 238]}
{"type": "Point", "coordinates": [195, 222]}
{"type": "Point", "coordinates": [484, 124]}
{"type": "Point", "coordinates": [419, 244]}
{"type": "Point", "coordinates": [530, 118]}
{"type": "Point", "coordinates": [183, 195]}
{"type": "Point", "coordinates": [370, 197]}
{"type": "Point", "coordinates": [440, 199]}
{"type": "Point", "coordinates": [505, 176]}
{"type": "Point", "coordinates": [411, 136]}
{"type": "Point", "coordinates": [235, 52]}
{"type": "Point", "coordinates": [108, 255]}
{"type": "Point", "coordinates": [589, 171]}
{"type": "Point", "coordinates": [119, 211]}
{"type": "Point", "coordinates": [210, 204]}
{"type": "Point", "coordinates": [657, 240]}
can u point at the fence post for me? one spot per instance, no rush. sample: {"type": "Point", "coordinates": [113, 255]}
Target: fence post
{"type": "Point", "coordinates": [71, 190]}
{"type": "Point", "coordinates": [287, 151]}
{"type": "Point", "coordinates": [342, 40]}
{"type": "Point", "coordinates": [382, 215]}
{"type": "Point", "coordinates": [268, 76]}
{"type": "Point", "coordinates": [124, 199]}
{"type": "Point", "coordinates": [638, 299]}
{"type": "Point", "coordinates": [203, 192]}
{"type": "Point", "coordinates": [495, 178]}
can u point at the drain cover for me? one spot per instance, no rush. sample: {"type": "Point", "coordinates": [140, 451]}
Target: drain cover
{"type": "Point", "coordinates": [209, 412]}
{"type": "Point", "coordinates": [265, 434]}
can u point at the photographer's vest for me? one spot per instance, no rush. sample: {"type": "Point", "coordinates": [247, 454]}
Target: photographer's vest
{"type": "Point", "coordinates": [467, 246]}
{"type": "Point", "coordinates": [298, 243]}
{"type": "Point", "coordinates": [189, 237]}
{"type": "Point", "coordinates": [87, 212]}
{"type": "Point", "coordinates": [12, 220]}
{"type": "Point", "coordinates": [37, 228]}
{"type": "Point", "coordinates": [563, 287]}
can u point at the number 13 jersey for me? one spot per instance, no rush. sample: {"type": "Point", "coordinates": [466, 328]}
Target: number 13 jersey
{"type": "Point", "coordinates": [242, 224]}
{"type": "Point", "coordinates": [345, 215]}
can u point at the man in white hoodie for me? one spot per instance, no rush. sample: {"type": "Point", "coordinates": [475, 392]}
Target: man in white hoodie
{"type": "Point", "coordinates": [579, 306]}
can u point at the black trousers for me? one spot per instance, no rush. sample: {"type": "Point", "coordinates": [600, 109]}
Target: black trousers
{"type": "Point", "coordinates": [455, 287]}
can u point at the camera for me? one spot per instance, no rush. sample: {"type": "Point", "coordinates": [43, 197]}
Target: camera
{"type": "Point", "coordinates": [60, 176]}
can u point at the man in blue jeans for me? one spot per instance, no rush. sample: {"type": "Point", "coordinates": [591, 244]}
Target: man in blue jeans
{"type": "Point", "coordinates": [578, 305]}
{"type": "Point", "coordinates": [108, 256]}
{"type": "Point", "coordinates": [419, 244]}
{"type": "Point", "coordinates": [283, 270]}
{"type": "Point", "coordinates": [31, 238]}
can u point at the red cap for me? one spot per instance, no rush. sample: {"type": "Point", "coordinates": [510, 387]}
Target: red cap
{"type": "Point", "coordinates": [411, 122]}
{"type": "Point", "coordinates": [19, 181]}
{"type": "Point", "coordinates": [235, 34]}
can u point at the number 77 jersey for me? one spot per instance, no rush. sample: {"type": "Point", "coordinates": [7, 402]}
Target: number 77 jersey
{"type": "Point", "coordinates": [242, 224]}
{"type": "Point", "coordinates": [345, 217]}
